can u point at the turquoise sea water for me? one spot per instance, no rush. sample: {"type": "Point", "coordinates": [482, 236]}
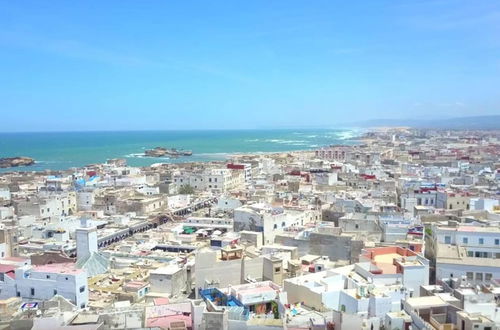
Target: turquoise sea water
{"type": "Point", "coordinates": [63, 150]}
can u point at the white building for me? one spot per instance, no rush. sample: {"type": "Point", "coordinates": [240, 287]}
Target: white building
{"type": "Point", "coordinates": [47, 204]}
{"type": "Point", "coordinates": [216, 180]}
{"type": "Point", "coordinates": [85, 199]}
{"type": "Point", "coordinates": [420, 197]}
{"type": "Point", "coordinates": [370, 288]}
{"type": "Point", "coordinates": [148, 190]}
{"type": "Point", "coordinates": [483, 204]}
{"type": "Point", "coordinates": [466, 251]}
{"type": "Point", "coordinates": [337, 153]}
{"type": "Point", "coordinates": [327, 179]}
{"type": "Point", "coordinates": [178, 201]}
{"type": "Point", "coordinates": [3, 250]}
{"type": "Point", "coordinates": [478, 241]}
{"type": "Point", "coordinates": [4, 193]}
{"type": "Point", "coordinates": [222, 180]}
{"type": "Point", "coordinates": [227, 203]}
{"type": "Point", "coordinates": [270, 220]}
{"type": "Point", "coordinates": [6, 212]}
{"type": "Point", "coordinates": [43, 282]}
{"type": "Point", "coordinates": [246, 168]}
{"type": "Point", "coordinates": [170, 279]}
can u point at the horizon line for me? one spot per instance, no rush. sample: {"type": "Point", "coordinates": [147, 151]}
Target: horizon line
{"type": "Point", "coordinates": [345, 125]}
{"type": "Point", "coordinates": [181, 129]}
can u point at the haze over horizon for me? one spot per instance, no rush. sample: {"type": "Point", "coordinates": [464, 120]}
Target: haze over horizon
{"type": "Point", "coordinates": [157, 66]}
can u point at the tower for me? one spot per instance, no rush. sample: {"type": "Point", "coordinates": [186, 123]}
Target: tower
{"type": "Point", "coordinates": [86, 240]}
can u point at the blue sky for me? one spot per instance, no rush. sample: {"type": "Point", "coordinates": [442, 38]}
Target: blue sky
{"type": "Point", "coordinates": [80, 65]}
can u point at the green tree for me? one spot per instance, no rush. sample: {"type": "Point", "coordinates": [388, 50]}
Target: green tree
{"type": "Point", "coordinates": [186, 190]}
{"type": "Point", "coordinates": [276, 313]}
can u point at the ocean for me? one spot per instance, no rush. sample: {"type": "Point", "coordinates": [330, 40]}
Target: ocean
{"type": "Point", "coordinates": [63, 150]}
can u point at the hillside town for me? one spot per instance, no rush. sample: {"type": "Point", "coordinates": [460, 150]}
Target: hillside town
{"type": "Point", "coordinates": [400, 230]}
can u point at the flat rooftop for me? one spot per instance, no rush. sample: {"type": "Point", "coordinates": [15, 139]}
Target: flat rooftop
{"type": "Point", "coordinates": [166, 270]}
{"type": "Point", "coordinates": [426, 302]}
{"type": "Point", "coordinates": [452, 254]}
{"type": "Point", "coordinates": [64, 268]}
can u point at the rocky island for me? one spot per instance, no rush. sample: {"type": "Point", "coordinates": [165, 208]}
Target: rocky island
{"type": "Point", "coordinates": [164, 152]}
{"type": "Point", "coordinates": [16, 162]}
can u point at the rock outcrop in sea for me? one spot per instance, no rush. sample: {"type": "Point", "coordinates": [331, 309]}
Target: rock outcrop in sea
{"type": "Point", "coordinates": [16, 162]}
{"type": "Point", "coordinates": [172, 152]}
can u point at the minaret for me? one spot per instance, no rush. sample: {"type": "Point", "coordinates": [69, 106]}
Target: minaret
{"type": "Point", "coordinates": [86, 240]}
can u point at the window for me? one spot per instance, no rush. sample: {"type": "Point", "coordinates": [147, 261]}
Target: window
{"type": "Point", "coordinates": [32, 291]}
{"type": "Point", "coordinates": [447, 240]}
{"type": "Point", "coordinates": [55, 292]}
{"type": "Point", "coordinates": [82, 288]}
{"type": "Point", "coordinates": [470, 276]}
{"type": "Point", "coordinates": [277, 269]}
{"type": "Point", "coordinates": [465, 240]}
{"type": "Point", "coordinates": [479, 276]}
{"type": "Point", "coordinates": [488, 276]}
{"type": "Point", "coordinates": [481, 241]}
{"type": "Point", "coordinates": [477, 254]}
{"type": "Point", "coordinates": [497, 241]}
{"type": "Point", "coordinates": [48, 276]}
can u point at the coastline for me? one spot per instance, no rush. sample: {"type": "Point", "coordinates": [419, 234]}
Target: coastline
{"type": "Point", "coordinates": [29, 169]}
{"type": "Point", "coordinates": [63, 151]}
